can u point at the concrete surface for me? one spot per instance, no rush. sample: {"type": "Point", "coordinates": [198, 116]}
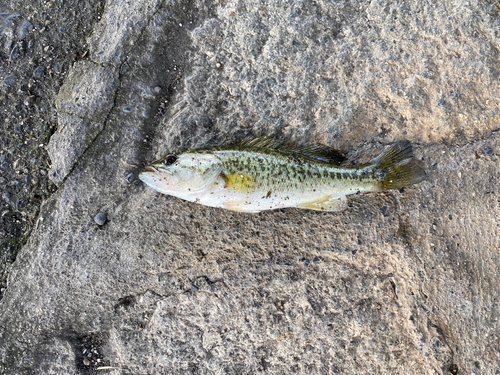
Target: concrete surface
{"type": "Point", "coordinates": [401, 282]}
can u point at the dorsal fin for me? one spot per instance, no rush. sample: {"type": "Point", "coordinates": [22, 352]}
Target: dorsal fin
{"type": "Point", "coordinates": [261, 142]}
{"type": "Point", "coordinates": [316, 152]}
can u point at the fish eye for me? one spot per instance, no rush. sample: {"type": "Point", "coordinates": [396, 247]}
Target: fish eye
{"type": "Point", "coordinates": [169, 159]}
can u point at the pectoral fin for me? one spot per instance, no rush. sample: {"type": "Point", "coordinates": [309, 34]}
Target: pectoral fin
{"type": "Point", "coordinates": [326, 204]}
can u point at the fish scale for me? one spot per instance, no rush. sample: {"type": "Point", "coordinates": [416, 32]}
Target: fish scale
{"type": "Point", "coordinates": [269, 172]}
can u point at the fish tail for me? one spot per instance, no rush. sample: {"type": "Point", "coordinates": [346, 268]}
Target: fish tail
{"type": "Point", "coordinates": [396, 167]}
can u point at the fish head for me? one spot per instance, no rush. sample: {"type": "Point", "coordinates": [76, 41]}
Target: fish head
{"type": "Point", "coordinates": [182, 175]}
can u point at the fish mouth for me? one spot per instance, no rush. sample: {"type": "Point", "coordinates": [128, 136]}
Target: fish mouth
{"type": "Point", "coordinates": [155, 169]}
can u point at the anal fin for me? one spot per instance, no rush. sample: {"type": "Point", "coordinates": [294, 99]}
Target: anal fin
{"type": "Point", "coordinates": [239, 206]}
{"type": "Point", "coordinates": [326, 204]}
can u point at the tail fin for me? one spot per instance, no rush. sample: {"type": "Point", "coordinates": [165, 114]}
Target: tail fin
{"type": "Point", "coordinates": [396, 167]}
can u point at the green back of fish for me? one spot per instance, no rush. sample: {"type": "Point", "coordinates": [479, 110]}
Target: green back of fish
{"type": "Point", "coordinates": [262, 164]}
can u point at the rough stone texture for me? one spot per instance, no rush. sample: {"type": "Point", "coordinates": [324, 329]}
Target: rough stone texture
{"type": "Point", "coordinates": [346, 73]}
{"type": "Point", "coordinates": [401, 282]}
{"type": "Point", "coordinates": [68, 143]}
{"type": "Point", "coordinates": [39, 42]}
{"type": "Point", "coordinates": [121, 26]}
{"type": "Point", "coordinates": [83, 105]}
{"type": "Point", "coordinates": [88, 91]}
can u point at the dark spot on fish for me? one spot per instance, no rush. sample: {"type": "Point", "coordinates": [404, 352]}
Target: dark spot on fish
{"type": "Point", "coordinates": [268, 194]}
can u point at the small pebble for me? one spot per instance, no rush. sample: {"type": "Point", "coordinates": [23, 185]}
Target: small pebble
{"type": "Point", "coordinates": [100, 218]}
{"type": "Point", "coordinates": [86, 362]}
{"type": "Point", "coordinates": [58, 68]}
{"type": "Point", "coordinates": [130, 178]}
{"type": "Point", "coordinates": [487, 150]}
{"type": "Point", "coordinates": [9, 80]}
{"type": "Point", "coordinates": [10, 18]}
{"type": "Point", "coordinates": [25, 29]}
{"type": "Point", "coordinates": [14, 54]}
{"type": "Point", "coordinates": [30, 100]}
{"type": "Point", "coordinates": [38, 73]}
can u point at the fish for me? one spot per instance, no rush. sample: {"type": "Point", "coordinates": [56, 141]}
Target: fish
{"type": "Point", "coordinates": [261, 174]}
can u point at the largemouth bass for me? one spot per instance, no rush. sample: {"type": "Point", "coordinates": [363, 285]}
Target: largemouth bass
{"type": "Point", "coordinates": [259, 175]}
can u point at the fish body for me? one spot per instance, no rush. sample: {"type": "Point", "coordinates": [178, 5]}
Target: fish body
{"type": "Point", "coordinates": [260, 175]}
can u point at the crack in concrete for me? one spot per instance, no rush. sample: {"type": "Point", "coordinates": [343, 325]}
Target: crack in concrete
{"type": "Point", "coordinates": [115, 96]}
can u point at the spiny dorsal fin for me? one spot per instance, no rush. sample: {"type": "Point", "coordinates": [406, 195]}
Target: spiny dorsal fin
{"type": "Point", "coordinates": [261, 142]}
{"type": "Point", "coordinates": [315, 152]}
